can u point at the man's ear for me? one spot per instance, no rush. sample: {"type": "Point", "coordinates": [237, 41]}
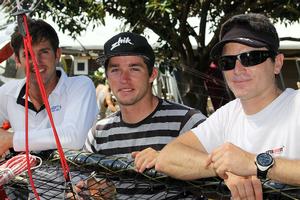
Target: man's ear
{"type": "Point", "coordinates": [17, 60]}
{"type": "Point", "coordinates": [153, 75]}
{"type": "Point", "coordinates": [58, 54]}
{"type": "Point", "coordinates": [278, 63]}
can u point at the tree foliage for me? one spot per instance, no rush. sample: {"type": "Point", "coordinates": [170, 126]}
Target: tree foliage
{"type": "Point", "coordinates": [171, 21]}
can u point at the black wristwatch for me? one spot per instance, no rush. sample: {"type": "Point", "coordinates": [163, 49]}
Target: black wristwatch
{"type": "Point", "coordinates": [263, 161]}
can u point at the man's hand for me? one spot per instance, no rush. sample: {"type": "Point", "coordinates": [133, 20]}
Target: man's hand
{"type": "Point", "coordinates": [96, 189]}
{"type": "Point", "coordinates": [247, 188]}
{"type": "Point", "coordinates": [6, 140]}
{"type": "Point", "coordinates": [144, 159]}
{"type": "Point", "coordinates": [230, 158]}
{"type": "Point", "coordinates": [76, 189]}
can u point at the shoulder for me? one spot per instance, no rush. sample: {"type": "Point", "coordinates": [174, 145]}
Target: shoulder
{"type": "Point", "coordinates": [180, 108]}
{"type": "Point", "coordinates": [226, 113]}
{"type": "Point", "coordinates": [231, 106]}
{"type": "Point", "coordinates": [292, 92]}
{"type": "Point", "coordinates": [291, 97]}
{"type": "Point", "coordinates": [167, 104]}
{"type": "Point", "coordinates": [108, 122]}
{"type": "Point", "coordinates": [80, 80]}
{"type": "Point", "coordinates": [12, 86]}
{"type": "Point", "coordinates": [79, 84]}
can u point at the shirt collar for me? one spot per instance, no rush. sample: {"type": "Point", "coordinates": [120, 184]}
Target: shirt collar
{"type": "Point", "coordinates": [20, 92]}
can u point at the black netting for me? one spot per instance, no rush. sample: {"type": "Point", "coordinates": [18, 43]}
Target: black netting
{"type": "Point", "coordinates": [102, 177]}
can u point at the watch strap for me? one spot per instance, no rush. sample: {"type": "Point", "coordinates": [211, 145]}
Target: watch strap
{"type": "Point", "coordinates": [262, 174]}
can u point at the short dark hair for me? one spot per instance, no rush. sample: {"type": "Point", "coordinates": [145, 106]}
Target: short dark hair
{"type": "Point", "coordinates": [39, 30]}
{"type": "Point", "coordinates": [251, 29]}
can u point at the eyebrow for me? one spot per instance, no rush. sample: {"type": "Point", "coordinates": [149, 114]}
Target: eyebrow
{"type": "Point", "coordinates": [46, 48]}
{"type": "Point", "coordinates": [134, 64]}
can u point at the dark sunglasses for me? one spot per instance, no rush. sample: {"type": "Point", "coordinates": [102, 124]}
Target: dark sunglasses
{"type": "Point", "coordinates": [247, 59]}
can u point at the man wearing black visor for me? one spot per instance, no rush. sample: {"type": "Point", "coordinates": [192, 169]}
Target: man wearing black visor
{"type": "Point", "coordinates": [254, 136]}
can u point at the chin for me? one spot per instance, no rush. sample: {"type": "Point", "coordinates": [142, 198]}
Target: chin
{"type": "Point", "coordinates": [240, 95]}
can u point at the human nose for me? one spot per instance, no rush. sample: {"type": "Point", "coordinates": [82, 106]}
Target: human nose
{"type": "Point", "coordinates": [125, 76]}
{"type": "Point", "coordinates": [239, 67]}
{"type": "Point", "coordinates": [38, 58]}
{"type": "Point", "coordinates": [32, 57]}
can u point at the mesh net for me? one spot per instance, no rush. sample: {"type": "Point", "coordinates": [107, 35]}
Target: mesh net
{"type": "Point", "coordinates": [101, 177]}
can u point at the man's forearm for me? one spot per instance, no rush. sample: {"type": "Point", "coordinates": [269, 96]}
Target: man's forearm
{"type": "Point", "coordinates": [285, 171]}
{"type": "Point", "coordinates": [183, 162]}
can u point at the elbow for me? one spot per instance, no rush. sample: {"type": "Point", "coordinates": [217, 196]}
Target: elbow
{"type": "Point", "coordinates": [78, 141]}
{"type": "Point", "coordinates": [76, 146]}
{"type": "Point", "coordinates": [73, 144]}
{"type": "Point", "coordinates": [73, 138]}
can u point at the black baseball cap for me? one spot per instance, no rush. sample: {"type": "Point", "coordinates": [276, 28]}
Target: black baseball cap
{"type": "Point", "coordinates": [127, 43]}
{"type": "Point", "coordinates": [254, 30]}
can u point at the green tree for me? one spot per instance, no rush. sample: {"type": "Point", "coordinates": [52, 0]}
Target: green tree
{"type": "Point", "coordinates": [170, 20]}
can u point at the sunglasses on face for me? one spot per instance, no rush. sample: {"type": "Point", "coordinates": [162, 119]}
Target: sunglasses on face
{"type": "Point", "coordinates": [247, 59]}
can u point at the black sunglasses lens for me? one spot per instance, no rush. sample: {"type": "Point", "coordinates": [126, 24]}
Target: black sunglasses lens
{"type": "Point", "coordinates": [252, 58]}
{"type": "Point", "coordinates": [227, 62]}
{"type": "Point", "coordinates": [247, 59]}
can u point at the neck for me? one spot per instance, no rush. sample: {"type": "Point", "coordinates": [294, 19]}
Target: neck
{"type": "Point", "coordinates": [35, 94]}
{"type": "Point", "coordinates": [254, 105]}
{"type": "Point", "coordinates": [139, 111]}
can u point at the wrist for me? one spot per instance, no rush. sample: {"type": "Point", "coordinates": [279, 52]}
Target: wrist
{"type": "Point", "coordinates": [253, 167]}
{"type": "Point", "coordinates": [8, 139]}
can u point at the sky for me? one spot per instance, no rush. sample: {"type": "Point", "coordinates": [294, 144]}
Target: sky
{"type": "Point", "coordinates": [101, 34]}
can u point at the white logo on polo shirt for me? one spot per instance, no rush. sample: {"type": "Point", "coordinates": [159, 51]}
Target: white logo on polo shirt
{"type": "Point", "coordinates": [55, 108]}
{"type": "Point", "coordinates": [125, 40]}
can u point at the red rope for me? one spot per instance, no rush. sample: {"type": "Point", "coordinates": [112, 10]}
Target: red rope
{"type": "Point", "coordinates": [15, 166]}
{"type": "Point", "coordinates": [26, 118]}
{"type": "Point", "coordinates": [5, 126]}
{"type": "Point", "coordinates": [28, 48]}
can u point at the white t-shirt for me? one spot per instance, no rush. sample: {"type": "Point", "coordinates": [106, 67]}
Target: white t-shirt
{"type": "Point", "coordinates": [275, 129]}
{"type": "Point", "coordinates": [74, 110]}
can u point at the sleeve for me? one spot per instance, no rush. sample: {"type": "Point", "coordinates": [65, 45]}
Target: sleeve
{"type": "Point", "coordinates": [80, 114]}
{"type": "Point", "coordinates": [3, 106]}
{"type": "Point", "coordinates": [89, 143]}
{"type": "Point", "coordinates": [192, 119]}
{"type": "Point", "coordinates": [210, 133]}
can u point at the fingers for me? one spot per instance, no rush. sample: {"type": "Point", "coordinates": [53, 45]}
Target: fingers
{"type": "Point", "coordinates": [234, 191]}
{"type": "Point", "coordinates": [218, 160]}
{"type": "Point", "coordinates": [208, 161]}
{"type": "Point", "coordinates": [134, 153]}
{"type": "Point", "coordinates": [248, 188]}
{"type": "Point", "coordinates": [219, 163]}
{"type": "Point", "coordinates": [144, 159]}
{"type": "Point", "coordinates": [79, 185]}
{"type": "Point", "coordinates": [257, 186]}
{"type": "Point", "coordinates": [76, 189]}
{"type": "Point", "coordinates": [71, 196]}
{"type": "Point", "coordinates": [101, 189]}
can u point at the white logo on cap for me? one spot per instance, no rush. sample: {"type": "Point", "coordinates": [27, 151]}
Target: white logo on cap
{"type": "Point", "coordinates": [125, 40]}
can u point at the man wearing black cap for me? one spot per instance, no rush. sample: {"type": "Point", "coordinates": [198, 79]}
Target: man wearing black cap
{"type": "Point", "coordinates": [246, 137]}
{"type": "Point", "coordinates": [144, 120]}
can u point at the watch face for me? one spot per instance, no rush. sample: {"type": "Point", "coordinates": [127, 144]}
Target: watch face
{"type": "Point", "coordinates": [264, 159]}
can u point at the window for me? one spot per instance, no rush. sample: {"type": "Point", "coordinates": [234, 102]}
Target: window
{"type": "Point", "coordinates": [81, 66]}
